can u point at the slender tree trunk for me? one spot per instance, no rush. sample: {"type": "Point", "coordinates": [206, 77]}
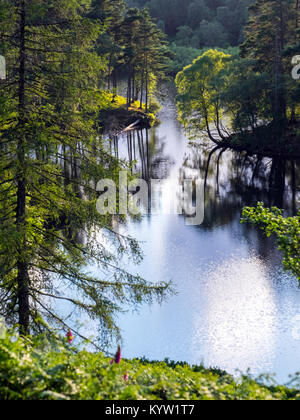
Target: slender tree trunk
{"type": "Point", "coordinates": [133, 85]}
{"type": "Point", "coordinates": [142, 89]}
{"type": "Point", "coordinates": [293, 114]}
{"type": "Point", "coordinates": [218, 123]}
{"type": "Point", "coordinates": [22, 265]}
{"type": "Point", "coordinates": [294, 188]}
{"type": "Point", "coordinates": [209, 131]}
{"type": "Point", "coordinates": [280, 88]}
{"type": "Point", "coordinates": [293, 110]}
{"type": "Point", "coordinates": [147, 87]}
{"type": "Point", "coordinates": [129, 92]}
{"type": "Point", "coordinates": [109, 74]}
{"type": "Point", "coordinates": [114, 85]}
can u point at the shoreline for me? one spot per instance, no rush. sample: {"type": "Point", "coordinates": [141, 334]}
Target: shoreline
{"type": "Point", "coordinates": [286, 146]}
{"type": "Point", "coordinates": [114, 121]}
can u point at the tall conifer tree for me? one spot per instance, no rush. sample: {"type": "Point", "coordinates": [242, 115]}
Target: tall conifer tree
{"type": "Point", "coordinates": [50, 161]}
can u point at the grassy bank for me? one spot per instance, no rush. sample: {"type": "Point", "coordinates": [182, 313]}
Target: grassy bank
{"type": "Point", "coordinates": [48, 370]}
{"type": "Point", "coordinates": [115, 116]}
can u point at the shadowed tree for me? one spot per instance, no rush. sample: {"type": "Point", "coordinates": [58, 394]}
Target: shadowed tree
{"type": "Point", "coordinates": [271, 29]}
{"type": "Point", "coordinates": [51, 157]}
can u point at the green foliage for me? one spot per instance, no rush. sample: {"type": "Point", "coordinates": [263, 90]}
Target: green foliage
{"type": "Point", "coordinates": [147, 55]}
{"type": "Point", "coordinates": [208, 23]}
{"type": "Point", "coordinates": [245, 96]}
{"type": "Point", "coordinates": [199, 86]}
{"type": "Point", "coordinates": [254, 90]}
{"type": "Point", "coordinates": [52, 156]}
{"type": "Point", "coordinates": [287, 231]}
{"type": "Point", "coordinates": [42, 369]}
{"type": "Point", "coordinates": [184, 36]}
{"type": "Point", "coordinates": [212, 34]}
{"type": "Point", "coordinates": [272, 35]}
{"type": "Point", "coordinates": [133, 46]}
{"type": "Point", "coordinates": [193, 26]}
{"type": "Point", "coordinates": [182, 57]}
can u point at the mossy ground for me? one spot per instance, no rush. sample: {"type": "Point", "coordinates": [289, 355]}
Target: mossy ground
{"type": "Point", "coordinates": [115, 116]}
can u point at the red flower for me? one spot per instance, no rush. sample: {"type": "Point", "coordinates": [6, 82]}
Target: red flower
{"type": "Point", "coordinates": [70, 336]}
{"type": "Point", "coordinates": [117, 358]}
{"type": "Point", "coordinates": [126, 377]}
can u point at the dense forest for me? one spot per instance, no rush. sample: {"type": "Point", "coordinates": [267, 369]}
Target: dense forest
{"type": "Point", "coordinates": [254, 88]}
{"type": "Point", "coordinates": [199, 23]}
{"type": "Point", "coordinates": [195, 25]}
{"type": "Point", "coordinates": [65, 63]}
{"type": "Point", "coordinates": [79, 74]}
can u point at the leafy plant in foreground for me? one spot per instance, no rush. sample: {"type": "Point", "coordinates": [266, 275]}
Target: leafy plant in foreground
{"type": "Point", "coordinates": [287, 231]}
{"type": "Point", "coordinates": [42, 369]}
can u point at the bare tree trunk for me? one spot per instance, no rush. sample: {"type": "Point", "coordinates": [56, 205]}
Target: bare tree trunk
{"type": "Point", "coordinates": [114, 85]}
{"type": "Point", "coordinates": [280, 89]}
{"type": "Point", "coordinates": [22, 265]}
{"type": "Point", "coordinates": [147, 87]}
{"type": "Point", "coordinates": [218, 123]}
{"type": "Point", "coordinates": [129, 92]}
{"type": "Point", "coordinates": [109, 74]}
{"type": "Point", "coordinates": [209, 131]}
{"type": "Point", "coordinates": [133, 85]}
{"type": "Point", "coordinates": [142, 89]}
{"type": "Point", "coordinates": [279, 94]}
{"type": "Point", "coordinates": [293, 114]}
{"type": "Point", "coordinates": [294, 188]}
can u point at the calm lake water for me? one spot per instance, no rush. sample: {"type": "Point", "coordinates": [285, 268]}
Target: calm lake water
{"type": "Point", "coordinates": [235, 308]}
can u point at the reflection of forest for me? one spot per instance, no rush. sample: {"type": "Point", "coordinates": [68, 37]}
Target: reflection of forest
{"type": "Point", "coordinates": [232, 180]}
{"type": "Point", "coordinates": [146, 151]}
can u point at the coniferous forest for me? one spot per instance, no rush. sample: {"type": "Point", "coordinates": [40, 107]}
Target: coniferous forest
{"type": "Point", "coordinates": [200, 98]}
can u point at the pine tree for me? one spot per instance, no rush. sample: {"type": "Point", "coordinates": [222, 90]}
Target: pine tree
{"type": "Point", "coordinates": [111, 14]}
{"type": "Point", "coordinates": [272, 28]}
{"type": "Point", "coordinates": [154, 54]}
{"type": "Point", "coordinates": [145, 55]}
{"type": "Point", "coordinates": [50, 162]}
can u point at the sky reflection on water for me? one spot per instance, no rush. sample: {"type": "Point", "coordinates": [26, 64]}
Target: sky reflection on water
{"type": "Point", "coordinates": [235, 307]}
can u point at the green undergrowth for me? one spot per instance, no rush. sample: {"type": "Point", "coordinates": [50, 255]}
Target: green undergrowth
{"type": "Point", "coordinates": [43, 369]}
